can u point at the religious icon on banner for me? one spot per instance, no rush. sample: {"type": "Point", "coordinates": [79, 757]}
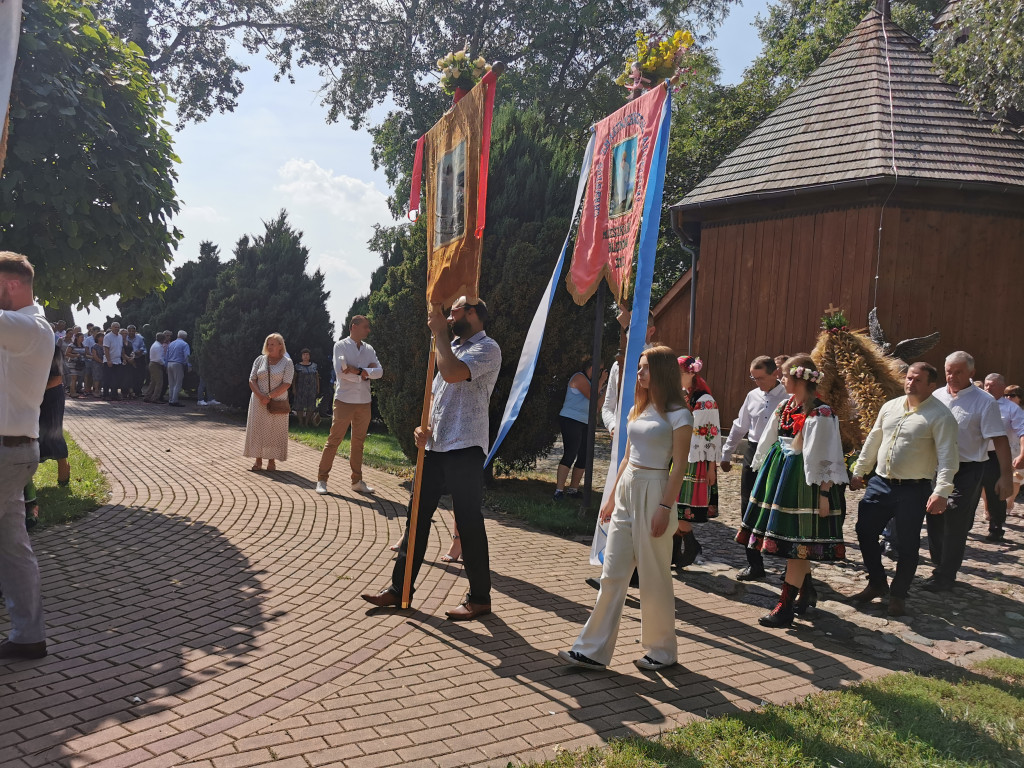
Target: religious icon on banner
{"type": "Point", "coordinates": [613, 208]}
{"type": "Point", "coordinates": [451, 197]}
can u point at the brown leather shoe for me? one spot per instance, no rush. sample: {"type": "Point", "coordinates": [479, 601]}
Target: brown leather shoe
{"type": "Point", "coordinates": [869, 593]}
{"type": "Point", "coordinates": [383, 599]}
{"type": "Point", "coordinates": [468, 611]}
{"type": "Point", "coordinates": [897, 607]}
{"type": "Point", "coordinates": [9, 650]}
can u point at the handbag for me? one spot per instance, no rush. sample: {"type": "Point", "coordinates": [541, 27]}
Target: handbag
{"type": "Point", "coordinates": [275, 406]}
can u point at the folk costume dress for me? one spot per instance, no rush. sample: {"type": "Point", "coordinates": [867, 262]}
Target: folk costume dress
{"type": "Point", "coordinates": [697, 494]}
{"type": "Point", "coordinates": [794, 456]}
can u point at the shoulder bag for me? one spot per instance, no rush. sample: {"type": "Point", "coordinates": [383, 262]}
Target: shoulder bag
{"type": "Point", "coordinates": [275, 406]}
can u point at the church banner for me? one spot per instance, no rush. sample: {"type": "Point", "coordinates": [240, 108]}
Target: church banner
{"type": "Point", "coordinates": [10, 32]}
{"type": "Point", "coordinates": [616, 197]}
{"type": "Point", "coordinates": [452, 160]}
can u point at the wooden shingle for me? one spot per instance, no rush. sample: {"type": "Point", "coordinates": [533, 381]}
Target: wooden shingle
{"type": "Point", "coordinates": [835, 128]}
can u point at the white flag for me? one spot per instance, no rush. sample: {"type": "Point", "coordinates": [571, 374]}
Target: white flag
{"type": "Point", "coordinates": [10, 31]}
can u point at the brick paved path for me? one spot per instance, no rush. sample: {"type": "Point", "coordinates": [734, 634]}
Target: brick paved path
{"type": "Point", "coordinates": [209, 616]}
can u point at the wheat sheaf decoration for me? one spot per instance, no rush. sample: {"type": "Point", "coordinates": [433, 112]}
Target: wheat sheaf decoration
{"type": "Point", "coordinates": [858, 379]}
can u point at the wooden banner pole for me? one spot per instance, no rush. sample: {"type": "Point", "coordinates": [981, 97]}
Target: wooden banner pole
{"type": "Point", "coordinates": [417, 483]}
{"type": "Point", "coordinates": [595, 379]}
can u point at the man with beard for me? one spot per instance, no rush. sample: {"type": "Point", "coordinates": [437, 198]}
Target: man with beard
{"type": "Point", "coordinates": [26, 349]}
{"type": "Point", "coordinates": [456, 441]}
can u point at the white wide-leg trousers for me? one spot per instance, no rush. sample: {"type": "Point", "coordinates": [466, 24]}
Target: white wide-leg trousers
{"type": "Point", "coordinates": [630, 545]}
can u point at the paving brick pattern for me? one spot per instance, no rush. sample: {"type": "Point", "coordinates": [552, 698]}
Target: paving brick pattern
{"type": "Point", "coordinates": [209, 616]}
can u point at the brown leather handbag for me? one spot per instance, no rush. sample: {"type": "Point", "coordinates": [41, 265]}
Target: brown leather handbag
{"type": "Point", "coordinates": [276, 406]}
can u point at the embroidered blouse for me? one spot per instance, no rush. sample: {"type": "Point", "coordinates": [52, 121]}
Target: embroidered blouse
{"type": "Point", "coordinates": [706, 444]}
{"type": "Point", "coordinates": [822, 449]}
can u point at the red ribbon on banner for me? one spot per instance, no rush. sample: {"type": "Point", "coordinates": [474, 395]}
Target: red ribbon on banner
{"type": "Point", "coordinates": [417, 178]}
{"type": "Point", "coordinates": [485, 151]}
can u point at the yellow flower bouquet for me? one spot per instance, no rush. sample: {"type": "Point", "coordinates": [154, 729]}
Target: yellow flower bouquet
{"type": "Point", "coordinates": [459, 71]}
{"type": "Point", "coordinates": [654, 60]}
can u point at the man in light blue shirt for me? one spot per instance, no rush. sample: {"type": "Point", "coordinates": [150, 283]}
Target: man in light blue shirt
{"type": "Point", "coordinates": [176, 360]}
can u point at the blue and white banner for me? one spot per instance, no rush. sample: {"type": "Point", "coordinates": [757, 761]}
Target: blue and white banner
{"type": "Point", "coordinates": [10, 32]}
{"type": "Point", "coordinates": [535, 336]}
{"type": "Point", "coordinates": [638, 320]}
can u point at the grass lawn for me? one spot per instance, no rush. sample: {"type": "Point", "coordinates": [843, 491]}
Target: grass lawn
{"type": "Point", "coordinates": [527, 498]}
{"type": "Point", "coordinates": [87, 491]}
{"type": "Point", "coordinates": [973, 718]}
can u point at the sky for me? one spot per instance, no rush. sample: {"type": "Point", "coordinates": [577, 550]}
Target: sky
{"type": "Point", "coordinates": [276, 151]}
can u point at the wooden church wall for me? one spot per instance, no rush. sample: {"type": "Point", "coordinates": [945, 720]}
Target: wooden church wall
{"type": "Point", "coordinates": [765, 283]}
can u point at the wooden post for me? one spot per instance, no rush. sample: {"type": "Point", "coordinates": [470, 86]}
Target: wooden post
{"type": "Point", "coordinates": [595, 377]}
{"type": "Point", "coordinates": [417, 484]}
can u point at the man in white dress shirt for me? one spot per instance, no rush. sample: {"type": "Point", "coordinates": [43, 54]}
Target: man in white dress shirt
{"type": "Point", "coordinates": [1013, 423]}
{"type": "Point", "coordinates": [26, 349]}
{"type": "Point", "coordinates": [758, 406]}
{"type": "Point", "coordinates": [979, 422]}
{"type": "Point", "coordinates": [355, 364]}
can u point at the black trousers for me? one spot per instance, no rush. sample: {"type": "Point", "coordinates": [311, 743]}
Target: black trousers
{"type": "Point", "coordinates": [996, 506]}
{"type": "Point", "coordinates": [461, 473]}
{"type": "Point", "coordinates": [112, 379]}
{"type": "Point", "coordinates": [574, 443]}
{"type": "Point", "coordinates": [747, 478]}
{"type": "Point", "coordinates": [947, 533]}
{"type": "Point", "coordinates": [905, 507]}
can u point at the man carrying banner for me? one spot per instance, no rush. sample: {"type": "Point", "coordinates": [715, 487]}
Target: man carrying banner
{"type": "Point", "coordinates": [456, 441]}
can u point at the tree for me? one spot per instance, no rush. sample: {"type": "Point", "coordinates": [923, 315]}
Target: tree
{"type": "Point", "coordinates": [182, 303]}
{"type": "Point", "coordinates": [87, 189]}
{"type": "Point", "coordinates": [981, 48]}
{"type": "Point", "coordinates": [264, 290]}
{"type": "Point", "coordinates": [189, 46]}
{"type": "Point", "coordinates": [531, 189]}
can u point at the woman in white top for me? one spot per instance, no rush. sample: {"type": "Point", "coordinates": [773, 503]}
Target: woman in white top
{"type": "Point", "coordinates": [641, 509]}
{"type": "Point", "coordinates": [266, 430]}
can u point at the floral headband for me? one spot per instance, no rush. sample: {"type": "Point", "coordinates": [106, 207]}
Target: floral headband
{"type": "Point", "coordinates": [693, 366]}
{"type": "Point", "coordinates": [807, 374]}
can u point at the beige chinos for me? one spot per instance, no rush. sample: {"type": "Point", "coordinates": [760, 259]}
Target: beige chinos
{"type": "Point", "coordinates": [358, 415]}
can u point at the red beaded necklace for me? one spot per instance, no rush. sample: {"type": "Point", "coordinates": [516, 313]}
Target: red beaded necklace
{"type": "Point", "coordinates": [791, 420]}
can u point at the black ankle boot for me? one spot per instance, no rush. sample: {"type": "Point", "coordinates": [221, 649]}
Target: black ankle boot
{"type": "Point", "coordinates": [691, 548]}
{"type": "Point", "coordinates": [782, 614]}
{"type": "Point", "coordinates": [808, 597]}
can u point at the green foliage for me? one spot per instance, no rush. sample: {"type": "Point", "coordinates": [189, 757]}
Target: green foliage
{"type": "Point", "coordinates": [184, 301]}
{"type": "Point", "coordinates": [87, 188]}
{"type": "Point", "coordinates": [982, 50]}
{"type": "Point", "coordinates": [531, 188]}
{"type": "Point", "coordinates": [264, 290]}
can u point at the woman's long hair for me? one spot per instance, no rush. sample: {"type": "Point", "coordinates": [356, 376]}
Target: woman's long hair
{"type": "Point", "coordinates": [699, 388]}
{"type": "Point", "coordinates": [803, 361]}
{"type": "Point", "coordinates": [664, 390]}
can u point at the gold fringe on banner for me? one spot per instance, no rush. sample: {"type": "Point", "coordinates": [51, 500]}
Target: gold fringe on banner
{"type": "Point", "coordinates": [3, 140]}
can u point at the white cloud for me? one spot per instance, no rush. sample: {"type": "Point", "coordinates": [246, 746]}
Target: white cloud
{"type": "Point", "coordinates": [344, 197]}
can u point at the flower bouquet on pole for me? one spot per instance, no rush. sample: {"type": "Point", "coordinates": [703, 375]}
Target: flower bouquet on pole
{"type": "Point", "coordinates": [654, 61]}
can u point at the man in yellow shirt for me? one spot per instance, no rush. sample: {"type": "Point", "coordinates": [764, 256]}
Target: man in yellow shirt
{"type": "Point", "coordinates": [913, 450]}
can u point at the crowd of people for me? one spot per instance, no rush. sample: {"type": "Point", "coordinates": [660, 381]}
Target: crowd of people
{"type": "Point", "coordinates": [929, 458]}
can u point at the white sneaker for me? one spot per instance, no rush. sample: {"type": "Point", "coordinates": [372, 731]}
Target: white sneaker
{"type": "Point", "coordinates": [362, 487]}
{"type": "Point", "coordinates": [202, 402]}
{"type": "Point", "coordinates": [213, 402]}
{"type": "Point", "coordinates": [321, 487]}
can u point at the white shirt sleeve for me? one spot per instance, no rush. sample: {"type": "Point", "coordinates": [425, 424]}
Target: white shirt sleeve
{"type": "Point", "coordinates": [823, 449]}
{"type": "Point", "coordinates": [611, 397]}
{"type": "Point", "coordinates": [706, 444]}
{"type": "Point", "coordinates": [740, 428]}
{"type": "Point", "coordinates": [768, 439]}
{"type": "Point", "coordinates": [377, 370]}
{"type": "Point", "coordinates": [992, 420]}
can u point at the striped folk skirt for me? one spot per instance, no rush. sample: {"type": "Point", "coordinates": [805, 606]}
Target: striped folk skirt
{"type": "Point", "coordinates": [696, 493]}
{"type": "Point", "coordinates": [782, 517]}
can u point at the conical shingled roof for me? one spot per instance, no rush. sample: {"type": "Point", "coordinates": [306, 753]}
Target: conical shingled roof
{"type": "Point", "coordinates": [834, 129]}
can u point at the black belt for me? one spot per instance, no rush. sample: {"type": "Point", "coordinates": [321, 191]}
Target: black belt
{"type": "Point", "coordinates": [10, 441]}
{"type": "Point", "coordinates": [896, 481]}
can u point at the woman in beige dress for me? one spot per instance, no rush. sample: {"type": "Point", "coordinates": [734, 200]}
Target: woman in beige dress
{"type": "Point", "coordinates": [266, 433]}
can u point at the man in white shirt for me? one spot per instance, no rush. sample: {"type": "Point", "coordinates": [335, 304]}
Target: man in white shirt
{"type": "Point", "coordinates": [113, 345]}
{"type": "Point", "coordinates": [979, 422]}
{"type": "Point", "coordinates": [758, 407]}
{"type": "Point", "coordinates": [355, 364]}
{"type": "Point", "coordinates": [912, 448]}
{"type": "Point", "coordinates": [156, 369]}
{"type": "Point", "coordinates": [1013, 423]}
{"type": "Point", "coordinates": [26, 349]}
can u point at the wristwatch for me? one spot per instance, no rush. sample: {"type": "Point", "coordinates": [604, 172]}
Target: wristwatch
{"type": "Point", "coordinates": [359, 371]}
{"type": "Point", "coordinates": [825, 494]}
